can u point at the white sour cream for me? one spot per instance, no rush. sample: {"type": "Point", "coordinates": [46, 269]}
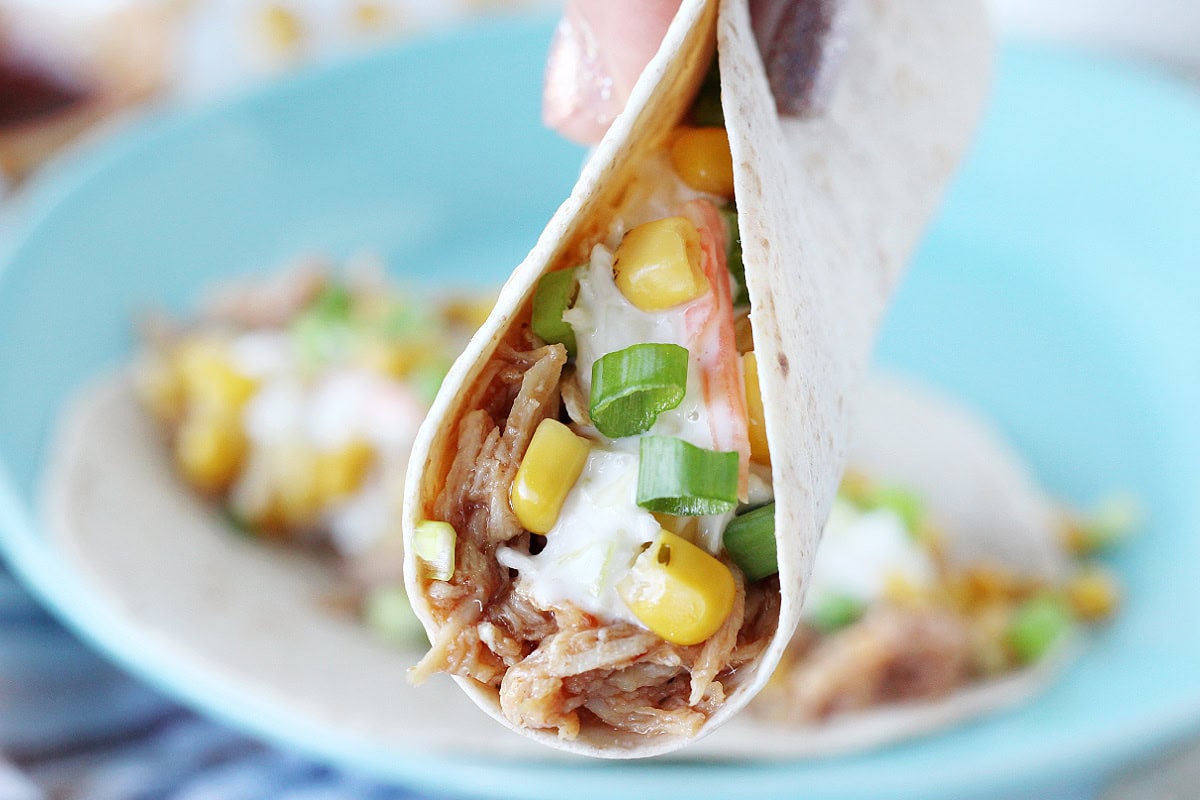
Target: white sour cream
{"type": "Point", "coordinates": [600, 531]}
{"type": "Point", "coordinates": [860, 551]}
{"type": "Point", "coordinates": [605, 322]}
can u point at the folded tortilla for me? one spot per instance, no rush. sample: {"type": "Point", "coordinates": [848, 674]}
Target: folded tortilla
{"type": "Point", "coordinates": [830, 206]}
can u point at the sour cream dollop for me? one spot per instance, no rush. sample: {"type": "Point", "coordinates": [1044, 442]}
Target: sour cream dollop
{"type": "Point", "coordinates": [860, 552]}
{"type": "Point", "coordinates": [600, 531]}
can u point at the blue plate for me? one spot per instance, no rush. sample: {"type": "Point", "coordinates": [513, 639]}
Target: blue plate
{"type": "Point", "coordinates": [1057, 292]}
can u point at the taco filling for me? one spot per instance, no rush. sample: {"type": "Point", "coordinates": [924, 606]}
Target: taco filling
{"type": "Point", "coordinates": [292, 402]}
{"type": "Point", "coordinates": [590, 555]}
{"type": "Point", "coordinates": [890, 617]}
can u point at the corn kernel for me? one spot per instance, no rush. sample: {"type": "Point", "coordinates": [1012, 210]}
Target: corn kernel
{"type": "Point", "coordinates": [297, 487]}
{"type": "Point", "coordinates": [160, 389]}
{"type": "Point", "coordinates": [1093, 594]}
{"type": "Point", "coordinates": [657, 264]}
{"type": "Point", "coordinates": [898, 589]}
{"type": "Point", "coordinates": [759, 450]}
{"type": "Point", "coordinates": [701, 157]}
{"type": "Point", "coordinates": [341, 472]}
{"type": "Point", "coordinates": [434, 543]}
{"type": "Point", "coordinates": [281, 28]}
{"type": "Point", "coordinates": [679, 591]}
{"type": "Point", "coordinates": [391, 360]}
{"type": "Point", "coordinates": [210, 378]}
{"type": "Point", "coordinates": [552, 464]}
{"type": "Point", "coordinates": [469, 312]}
{"type": "Point", "coordinates": [988, 634]}
{"type": "Point", "coordinates": [369, 16]}
{"type": "Point", "coordinates": [209, 448]}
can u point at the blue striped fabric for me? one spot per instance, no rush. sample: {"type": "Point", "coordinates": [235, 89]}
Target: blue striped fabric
{"type": "Point", "coordinates": [73, 727]}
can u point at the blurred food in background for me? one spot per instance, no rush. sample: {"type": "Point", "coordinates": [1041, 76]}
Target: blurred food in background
{"type": "Point", "coordinates": [292, 402]}
{"type": "Point", "coordinates": [67, 65]}
{"type": "Point", "coordinates": [892, 617]}
{"type": "Point", "coordinates": [61, 72]}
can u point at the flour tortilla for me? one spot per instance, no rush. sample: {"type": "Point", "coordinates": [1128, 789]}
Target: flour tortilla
{"type": "Point", "coordinates": [990, 510]}
{"type": "Point", "coordinates": [244, 625]}
{"type": "Point", "coordinates": [830, 209]}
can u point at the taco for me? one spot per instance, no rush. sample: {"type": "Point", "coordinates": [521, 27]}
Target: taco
{"type": "Point", "coordinates": [291, 402]}
{"type": "Point", "coordinates": [945, 586]}
{"type": "Point", "coordinates": [676, 351]}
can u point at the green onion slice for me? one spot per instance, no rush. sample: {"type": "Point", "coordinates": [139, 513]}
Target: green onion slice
{"type": "Point", "coordinates": [333, 303]}
{"type": "Point", "coordinates": [750, 541]}
{"type": "Point", "coordinates": [678, 478]}
{"type": "Point", "coordinates": [555, 293]}
{"type": "Point", "coordinates": [903, 503]}
{"type": "Point", "coordinates": [631, 387]}
{"type": "Point", "coordinates": [1111, 522]}
{"type": "Point", "coordinates": [831, 612]}
{"type": "Point", "coordinates": [1037, 625]}
{"type": "Point", "coordinates": [434, 542]}
{"type": "Point", "coordinates": [324, 332]}
{"type": "Point", "coordinates": [733, 255]}
{"type": "Point", "coordinates": [389, 615]}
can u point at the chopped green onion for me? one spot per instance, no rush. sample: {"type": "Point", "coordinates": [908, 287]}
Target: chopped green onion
{"type": "Point", "coordinates": [903, 503]}
{"type": "Point", "coordinates": [237, 522]}
{"type": "Point", "coordinates": [631, 387]}
{"type": "Point", "coordinates": [831, 612]}
{"type": "Point", "coordinates": [555, 293]}
{"type": "Point", "coordinates": [1038, 623]}
{"type": "Point", "coordinates": [333, 302]}
{"type": "Point", "coordinates": [1111, 521]}
{"type": "Point", "coordinates": [706, 110]}
{"type": "Point", "coordinates": [733, 256]}
{"type": "Point", "coordinates": [323, 332]}
{"type": "Point", "coordinates": [390, 616]}
{"type": "Point", "coordinates": [750, 541]}
{"type": "Point", "coordinates": [405, 323]}
{"type": "Point", "coordinates": [678, 478]}
{"type": "Point", "coordinates": [434, 542]}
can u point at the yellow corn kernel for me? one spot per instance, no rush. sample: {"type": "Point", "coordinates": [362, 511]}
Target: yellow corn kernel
{"type": "Point", "coordinates": [1093, 594]}
{"type": "Point", "coordinates": [678, 590]}
{"type": "Point", "coordinates": [552, 464]}
{"type": "Point", "coordinates": [701, 157]}
{"type": "Point", "coordinates": [341, 472]}
{"type": "Point", "coordinates": [370, 16]}
{"type": "Point", "coordinates": [297, 485]}
{"type": "Point", "coordinates": [759, 450]}
{"type": "Point", "coordinates": [281, 27]}
{"type": "Point", "coordinates": [160, 389]}
{"type": "Point", "coordinates": [392, 360]}
{"type": "Point", "coordinates": [210, 378]}
{"type": "Point", "coordinates": [901, 591]}
{"type": "Point", "coordinates": [984, 585]}
{"type": "Point", "coordinates": [209, 448]}
{"type": "Point", "coordinates": [434, 543]}
{"type": "Point", "coordinates": [657, 265]}
{"type": "Point", "coordinates": [988, 634]}
{"type": "Point", "coordinates": [470, 312]}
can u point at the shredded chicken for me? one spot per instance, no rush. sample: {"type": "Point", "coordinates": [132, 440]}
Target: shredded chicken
{"type": "Point", "coordinates": [268, 303]}
{"type": "Point", "coordinates": [560, 668]}
{"type": "Point", "coordinates": [891, 655]}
